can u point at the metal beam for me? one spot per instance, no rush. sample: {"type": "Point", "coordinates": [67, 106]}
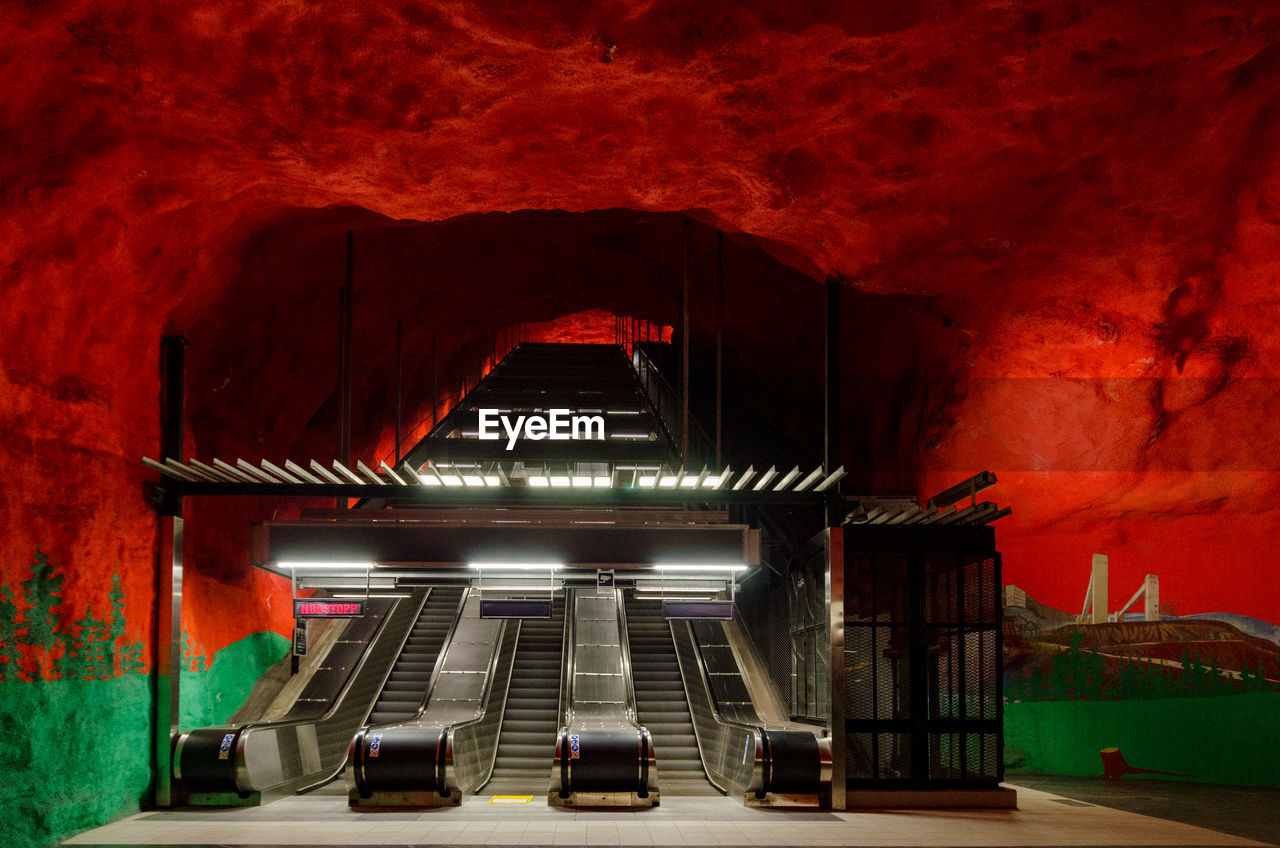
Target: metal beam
{"type": "Point", "coordinates": [276, 471]}
{"type": "Point", "coordinates": [345, 373]}
{"type": "Point", "coordinates": [719, 337]}
{"type": "Point", "coordinates": [834, 552]}
{"type": "Point", "coordinates": [967, 489]}
{"type": "Point", "coordinates": [325, 474]}
{"type": "Point", "coordinates": [232, 471]}
{"type": "Point", "coordinates": [401, 543]}
{"type": "Point", "coordinates": [609, 450]}
{"type": "Point", "coordinates": [217, 474]}
{"type": "Point", "coordinates": [684, 348]}
{"type": "Point", "coordinates": [301, 473]}
{"type": "Point", "coordinates": [166, 651]}
{"type": "Point", "coordinates": [167, 617]}
{"type": "Point", "coordinates": [528, 496]}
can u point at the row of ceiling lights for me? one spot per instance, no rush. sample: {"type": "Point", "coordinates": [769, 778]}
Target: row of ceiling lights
{"type": "Point", "coordinates": [515, 566]}
{"type": "Point", "coordinates": [582, 475]}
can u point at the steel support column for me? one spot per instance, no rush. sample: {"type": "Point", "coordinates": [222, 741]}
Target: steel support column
{"type": "Point", "coordinates": [166, 646]}
{"type": "Point", "coordinates": [684, 349]}
{"type": "Point", "coordinates": [835, 545]}
{"type": "Point", "coordinates": [166, 655]}
{"type": "Point", "coordinates": [831, 417]}
{"type": "Point", "coordinates": [399, 386]}
{"type": "Point", "coordinates": [720, 341]}
{"type": "Point", "coordinates": [344, 360]}
{"type": "Point", "coordinates": [835, 629]}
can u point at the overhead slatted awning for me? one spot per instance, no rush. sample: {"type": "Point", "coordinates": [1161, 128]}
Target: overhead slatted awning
{"type": "Point", "coordinates": [569, 484]}
{"type": "Point", "coordinates": [478, 481]}
{"type": "Point", "coordinates": [904, 511]}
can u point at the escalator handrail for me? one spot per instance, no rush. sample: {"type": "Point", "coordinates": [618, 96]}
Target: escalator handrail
{"type": "Point", "coordinates": [704, 676]}
{"type": "Point", "coordinates": [243, 731]}
{"type": "Point", "coordinates": [490, 674]}
{"type": "Point", "coordinates": [336, 703]}
{"type": "Point", "coordinates": [755, 731]}
{"type": "Point", "coordinates": [567, 655]}
{"type": "Point", "coordinates": [642, 367]}
{"type": "Point", "coordinates": [569, 661]}
{"type": "Point", "coordinates": [633, 710]}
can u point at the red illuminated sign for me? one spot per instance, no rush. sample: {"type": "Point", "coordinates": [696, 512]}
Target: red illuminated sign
{"type": "Point", "coordinates": [324, 608]}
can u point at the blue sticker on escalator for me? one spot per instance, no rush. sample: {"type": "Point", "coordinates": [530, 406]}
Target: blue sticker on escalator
{"type": "Point", "coordinates": [224, 750]}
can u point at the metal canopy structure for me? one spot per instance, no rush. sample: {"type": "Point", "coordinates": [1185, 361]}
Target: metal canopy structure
{"type": "Point", "coordinates": [334, 544]}
{"type": "Point", "coordinates": [587, 483]}
{"type": "Point", "coordinates": [636, 464]}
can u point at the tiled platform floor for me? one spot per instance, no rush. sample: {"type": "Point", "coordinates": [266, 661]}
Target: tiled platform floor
{"type": "Point", "coordinates": [1044, 819]}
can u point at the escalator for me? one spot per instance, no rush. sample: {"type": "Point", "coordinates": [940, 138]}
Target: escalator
{"type": "Point", "coordinates": [446, 745]}
{"type": "Point", "coordinates": [405, 689]}
{"type": "Point", "coordinates": [694, 681]}
{"type": "Point", "coordinates": [529, 722]}
{"type": "Point", "coordinates": [260, 759]}
{"type": "Point", "coordinates": [603, 755]}
{"type": "Point", "coordinates": [661, 701]}
{"type": "Point", "coordinates": [378, 670]}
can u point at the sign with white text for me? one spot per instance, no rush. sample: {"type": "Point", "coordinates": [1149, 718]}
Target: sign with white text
{"type": "Point", "coordinates": [558, 425]}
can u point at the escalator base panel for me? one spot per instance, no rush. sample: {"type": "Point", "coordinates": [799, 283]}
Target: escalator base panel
{"type": "Point", "coordinates": [775, 799]}
{"type": "Point", "coordinates": [588, 800]}
{"type": "Point", "coordinates": [404, 799]}
{"type": "Point", "coordinates": [224, 799]}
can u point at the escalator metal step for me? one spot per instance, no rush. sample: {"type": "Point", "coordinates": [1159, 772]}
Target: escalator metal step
{"type": "Point", "coordinates": [405, 688]}
{"type": "Point", "coordinates": [661, 702]}
{"type": "Point", "coordinates": [527, 737]}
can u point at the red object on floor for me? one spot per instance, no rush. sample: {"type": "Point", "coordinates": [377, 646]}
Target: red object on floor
{"type": "Point", "coordinates": [1114, 766]}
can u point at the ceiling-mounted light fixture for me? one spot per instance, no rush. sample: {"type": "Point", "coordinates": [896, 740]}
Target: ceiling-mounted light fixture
{"type": "Point", "coordinates": [516, 566]}
{"type": "Point", "coordinates": [689, 566]}
{"type": "Point", "coordinates": [349, 566]}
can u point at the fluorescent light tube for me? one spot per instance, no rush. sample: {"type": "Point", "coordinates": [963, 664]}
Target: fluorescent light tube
{"type": "Point", "coordinates": [516, 566]}
{"type": "Point", "coordinates": [350, 566]}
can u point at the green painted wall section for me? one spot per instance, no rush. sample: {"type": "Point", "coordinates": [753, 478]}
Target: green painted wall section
{"type": "Point", "coordinates": [76, 754]}
{"type": "Point", "coordinates": [210, 696]}
{"type": "Point", "coordinates": [1229, 739]}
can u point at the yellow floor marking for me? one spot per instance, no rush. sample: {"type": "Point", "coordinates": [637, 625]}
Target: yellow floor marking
{"type": "Point", "coordinates": [511, 799]}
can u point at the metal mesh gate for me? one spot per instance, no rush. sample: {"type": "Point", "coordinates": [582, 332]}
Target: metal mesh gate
{"type": "Point", "coordinates": [922, 656]}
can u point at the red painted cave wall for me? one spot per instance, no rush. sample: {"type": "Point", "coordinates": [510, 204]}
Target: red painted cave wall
{"type": "Point", "coordinates": [1079, 204]}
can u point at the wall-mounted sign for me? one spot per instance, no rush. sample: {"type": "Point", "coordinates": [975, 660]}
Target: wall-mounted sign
{"type": "Point", "coordinates": [719, 610]}
{"type": "Point", "coordinates": [326, 608]}
{"type": "Point", "coordinates": [515, 608]}
{"type": "Point", "coordinates": [604, 581]}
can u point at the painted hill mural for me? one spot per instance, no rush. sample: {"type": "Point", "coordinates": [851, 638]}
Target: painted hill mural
{"type": "Point", "coordinates": [1178, 697]}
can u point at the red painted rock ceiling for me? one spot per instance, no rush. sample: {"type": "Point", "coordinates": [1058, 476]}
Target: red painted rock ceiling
{"type": "Point", "coordinates": [1061, 220]}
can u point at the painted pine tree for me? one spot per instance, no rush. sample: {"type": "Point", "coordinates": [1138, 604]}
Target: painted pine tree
{"type": "Point", "coordinates": [115, 624]}
{"type": "Point", "coordinates": [42, 590]}
{"type": "Point", "coordinates": [71, 664]}
{"type": "Point", "coordinates": [131, 657]}
{"type": "Point", "coordinates": [9, 654]}
{"type": "Point", "coordinates": [96, 665]}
